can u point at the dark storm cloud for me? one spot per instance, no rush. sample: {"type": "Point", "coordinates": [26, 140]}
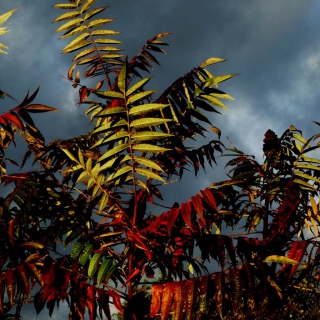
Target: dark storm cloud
{"type": "Point", "coordinates": [274, 45]}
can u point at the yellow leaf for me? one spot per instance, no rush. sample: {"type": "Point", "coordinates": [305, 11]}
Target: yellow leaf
{"type": "Point", "coordinates": [4, 17]}
{"type": "Point", "coordinates": [87, 5]}
{"type": "Point", "coordinates": [210, 61]}
{"type": "Point", "coordinates": [66, 16]}
{"type": "Point", "coordinates": [70, 24]}
{"type": "Point", "coordinates": [99, 22]}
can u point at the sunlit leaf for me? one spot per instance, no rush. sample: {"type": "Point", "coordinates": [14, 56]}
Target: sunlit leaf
{"type": "Point", "coordinates": [149, 148]}
{"type": "Point", "coordinates": [148, 122]}
{"type": "Point", "coordinates": [114, 151]}
{"type": "Point", "coordinates": [149, 174]}
{"type": "Point", "coordinates": [4, 17]}
{"type": "Point", "coordinates": [210, 61]}
{"type": "Point", "coordinates": [99, 22]}
{"type": "Point", "coordinates": [66, 16]}
{"type": "Point", "coordinates": [149, 135]}
{"type": "Point", "coordinates": [94, 12]}
{"type": "Point", "coordinates": [280, 259]}
{"type": "Point", "coordinates": [147, 162]}
{"type": "Point", "coordinates": [140, 96]}
{"type": "Point", "coordinates": [65, 6]}
{"type": "Point", "coordinates": [70, 24]}
{"type": "Point", "coordinates": [137, 86]}
{"type": "Point", "coordinates": [145, 108]}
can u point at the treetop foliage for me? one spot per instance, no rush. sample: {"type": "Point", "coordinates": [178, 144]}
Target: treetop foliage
{"type": "Point", "coordinates": [81, 227]}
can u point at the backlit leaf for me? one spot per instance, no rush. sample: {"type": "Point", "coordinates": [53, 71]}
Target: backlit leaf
{"type": "Point", "coordinates": [70, 24]}
{"type": "Point", "coordinates": [149, 174]}
{"type": "Point", "coordinates": [66, 16]}
{"type": "Point", "coordinates": [150, 148]}
{"type": "Point", "coordinates": [93, 266]}
{"type": "Point", "coordinates": [280, 259]}
{"type": "Point", "coordinates": [215, 101]}
{"type": "Point", "coordinates": [120, 172]}
{"type": "Point", "coordinates": [210, 61]}
{"type": "Point", "coordinates": [103, 270]}
{"type": "Point", "coordinates": [149, 135]}
{"type": "Point", "coordinates": [137, 86]}
{"type": "Point", "coordinates": [148, 122]}
{"type": "Point", "coordinates": [167, 296]}
{"type": "Point", "coordinates": [99, 22]}
{"type": "Point", "coordinates": [145, 108]}
{"type": "Point", "coordinates": [140, 96]}
{"type": "Point", "coordinates": [156, 295]}
{"type": "Point", "coordinates": [76, 249]}
{"type": "Point", "coordinates": [86, 253]}
{"type": "Point", "coordinates": [4, 17]}
{"type": "Point", "coordinates": [179, 294]}
{"type": "Point", "coordinates": [114, 151]}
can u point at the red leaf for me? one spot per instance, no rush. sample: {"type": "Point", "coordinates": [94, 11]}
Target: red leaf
{"type": "Point", "coordinates": [296, 252]}
{"type": "Point", "coordinates": [186, 214]}
{"type": "Point", "coordinates": [36, 273]}
{"type": "Point", "coordinates": [172, 217]}
{"type": "Point", "coordinates": [24, 278]}
{"type": "Point", "coordinates": [132, 275]}
{"type": "Point", "coordinates": [209, 198]}
{"type": "Point", "coordinates": [192, 296]}
{"type": "Point", "coordinates": [11, 285]}
{"type": "Point", "coordinates": [203, 297]}
{"type": "Point", "coordinates": [197, 203]}
{"type": "Point", "coordinates": [91, 302]}
{"type": "Point", "coordinates": [139, 243]}
{"type": "Point", "coordinates": [103, 302]}
{"type": "Point", "coordinates": [156, 295]}
{"type": "Point", "coordinates": [179, 299]}
{"type": "Point", "coordinates": [116, 300]}
{"type": "Point", "coordinates": [11, 227]}
{"type": "Point", "coordinates": [153, 227]}
{"type": "Point", "coordinates": [13, 118]}
{"type": "Point", "coordinates": [83, 94]}
{"type": "Point", "coordinates": [167, 297]}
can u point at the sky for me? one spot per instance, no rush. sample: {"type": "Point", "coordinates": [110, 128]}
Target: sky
{"type": "Point", "coordinates": [273, 45]}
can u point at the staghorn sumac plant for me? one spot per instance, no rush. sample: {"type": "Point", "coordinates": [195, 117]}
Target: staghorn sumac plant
{"type": "Point", "coordinates": [91, 195]}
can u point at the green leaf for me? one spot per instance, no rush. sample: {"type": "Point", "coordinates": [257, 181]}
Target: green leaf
{"type": "Point", "coordinates": [148, 122]}
{"type": "Point", "coordinates": [214, 100]}
{"type": "Point", "coordinates": [105, 266]}
{"type": "Point", "coordinates": [119, 173]}
{"type": "Point", "coordinates": [86, 253]}
{"type": "Point", "coordinates": [109, 164]}
{"type": "Point", "coordinates": [66, 16]}
{"type": "Point", "coordinates": [149, 174]}
{"type": "Point", "coordinates": [140, 96]}
{"type": "Point", "coordinates": [122, 78]}
{"type": "Point", "coordinates": [215, 80]}
{"type": "Point", "coordinates": [149, 135]}
{"type": "Point", "coordinates": [70, 24]}
{"type": "Point", "coordinates": [114, 151]}
{"type": "Point", "coordinates": [149, 148]}
{"type": "Point", "coordinates": [93, 266]}
{"type": "Point", "coordinates": [137, 86]}
{"type": "Point", "coordinates": [76, 249]}
{"type": "Point", "coordinates": [99, 22]}
{"type": "Point", "coordinates": [210, 61]}
{"type": "Point", "coordinates": [147, 162]}
{"type": "Point", "coordinates": [109, 126]}
{"type": "Point", "coordinates": [111, 111]}
{"type": "Point", "coordinates": [117, 136]}
{"type": "Point", "coordinates": [145, 108]}
{"type": "Point", "coordinates": [109, 94]}
{"type": "Point", "coordinates": [280, 259]}
{"type": "Point", "coordinates": [69, 154]}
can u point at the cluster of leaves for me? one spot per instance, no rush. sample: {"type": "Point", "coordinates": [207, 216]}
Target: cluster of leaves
{"type": "Point", "coordinates": [91, 195]}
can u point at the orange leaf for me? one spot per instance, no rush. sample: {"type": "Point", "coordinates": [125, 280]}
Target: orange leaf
{"type": "Point", "coordinates": [37, 108]}
{"type": "Point", "coordinates": [179, 299]}
{"type": "Point", "coordinates": [11, 285]}
{"type": "Point", "coordinates": [116, 300]}
{"type": "Point", "coordinates": [167, 297]}
{"type": "Point", "coordinates": [91, 302]}
{"type": "Point", "coordinates": [24, 277]}
{"type": "Point", "coordinates": [13, 118]}
{"type": "Point", "coordinates": [156, 294]}
{"type": "Point", "coordinates": [192, 296]}
{"type": "Point", "coordinates": [1, 295]}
